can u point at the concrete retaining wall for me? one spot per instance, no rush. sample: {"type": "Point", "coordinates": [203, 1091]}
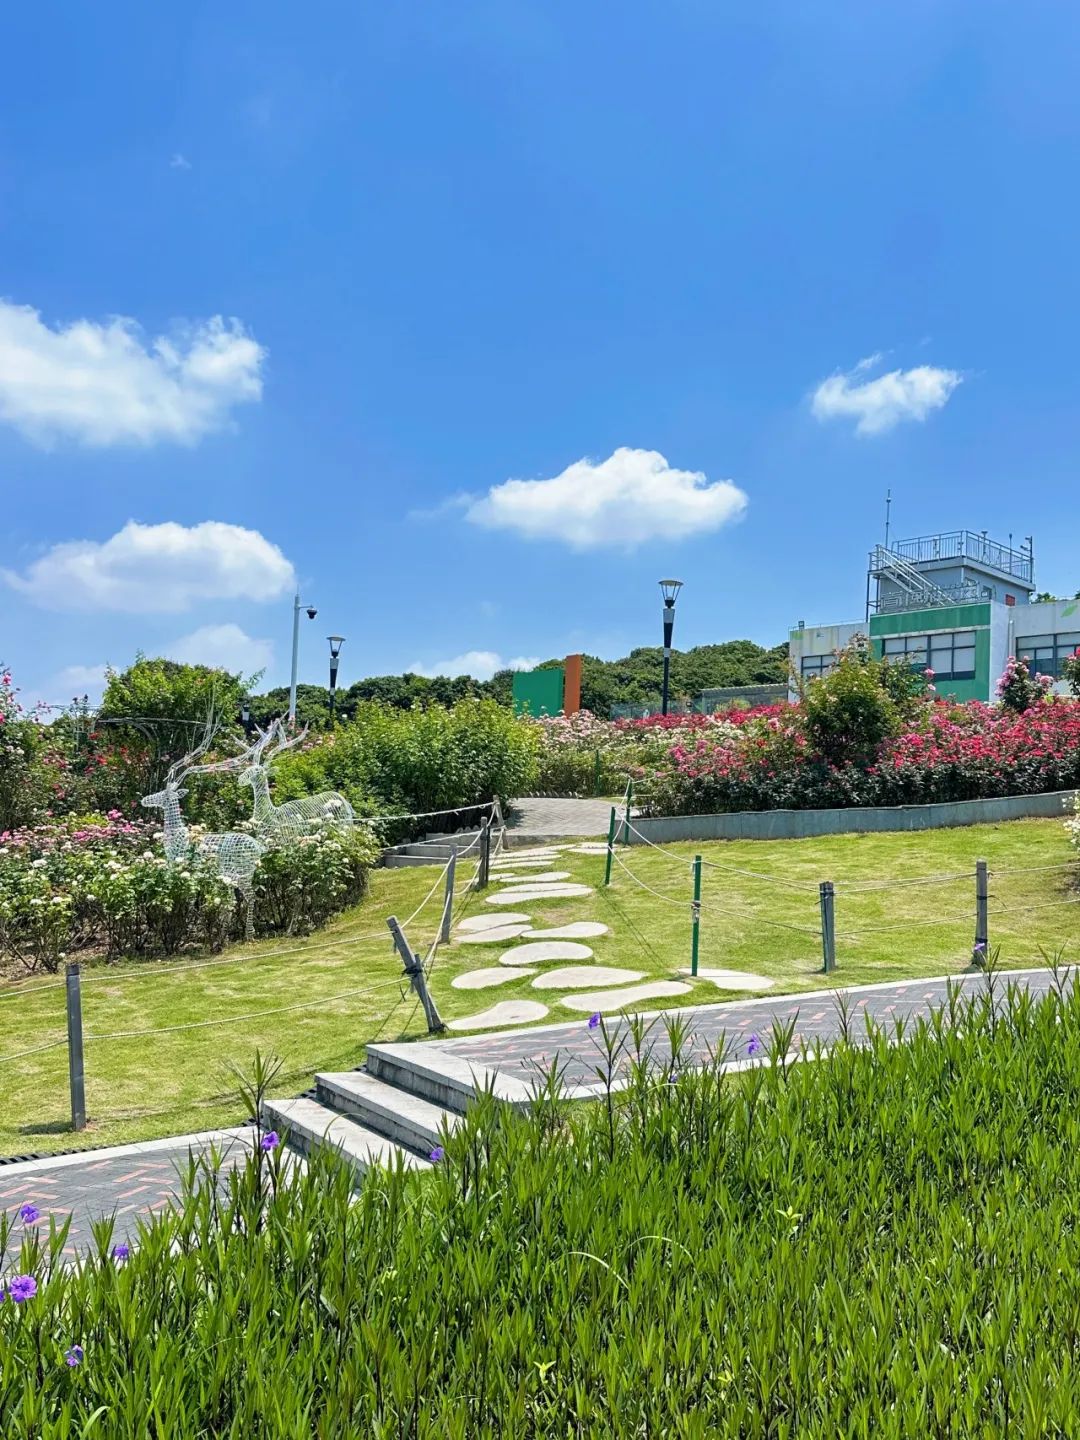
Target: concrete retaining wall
{"type": "Point", "coordinates": [801, 824]}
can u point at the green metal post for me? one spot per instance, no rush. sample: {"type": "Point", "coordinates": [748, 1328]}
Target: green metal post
{"type": "Point", "coordinates": [695, 917]}
{"type": "Point", "coordinates": [610, 847]}
{"type": "Point", "coordinates": [626, 818]}
{"type": "Point", "coordinates": [596, 773]}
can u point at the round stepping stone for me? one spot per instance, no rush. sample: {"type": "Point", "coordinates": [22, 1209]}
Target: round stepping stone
{"type": "Point", "coordinates": [580, 977]}
{"type": "Point", "coordinates": [506, 1012]}
{"type": "Point", "coordinates": [489, 922]}
{"type": "Point", "coordinates": [590, 847]}
{"type": "Point", "coordinates": [535, 852]}
{"type": "Point", "coordinates": [724, 979]}
{"type": "Point", "coordinates": [513, 895]}
{"type": "Point", "coordinates": [495, 935]}
{"type": "Point", "coordinates": [617, 999]}
{"type": "Point", "coordinates": [541, 863]}
{"type": "Point", "coordinates": [545, 877]}
{"type": "Point", "coordinates": [485, 979]}
{"type": "Point", "coordinates": [543, 951]}
{"type": "Point", "coordinates": [575, 930]}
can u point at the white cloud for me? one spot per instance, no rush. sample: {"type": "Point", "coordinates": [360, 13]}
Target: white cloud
{"type": "Point", "coordinates": [480, 664]}
{"type": "Point", "coordinates": [102, 384]}
{"type": "Point", "coordinates": [80, 680]}
{"type": "Point", "coordinates": [162, 568]}
{"type": "Point", "coordinates": [179, 162]}
{"type": "Point", "coordinates": [226, 647]}
{"type": "Point", "coordinates": [877, 405]}
{"type": "Point", "coordinates": [632, 497]}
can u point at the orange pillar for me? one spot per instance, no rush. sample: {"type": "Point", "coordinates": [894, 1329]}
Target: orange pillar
{"type": "Point", "coordinates": [572, 685]}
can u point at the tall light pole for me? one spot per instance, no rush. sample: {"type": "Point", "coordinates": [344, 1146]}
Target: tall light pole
{"type": "Point", "coordinates": [669, 589]}
{"type": "Point", "coordinates": [336, 642]}
{"type": "Point", "coordinates": [311, 613]}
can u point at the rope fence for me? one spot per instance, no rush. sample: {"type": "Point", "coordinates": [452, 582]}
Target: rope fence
{"type": "Point", "coordinates": [415, 973]}
{"type": "Point", "coordinates": [986, 905]}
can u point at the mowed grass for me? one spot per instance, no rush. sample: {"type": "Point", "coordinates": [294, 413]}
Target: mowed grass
{"type": "Point", "coordinates": [759, 914]}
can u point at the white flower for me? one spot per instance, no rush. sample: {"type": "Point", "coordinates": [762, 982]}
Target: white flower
{"type": "Point", "coordinates": [38, 864]}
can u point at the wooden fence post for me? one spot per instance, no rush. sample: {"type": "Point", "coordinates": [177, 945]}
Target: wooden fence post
{"type": "Point", "coordinates": [448, 901]}
{"type": "Point", "coordinates": [827, 896]}
{"type": "Point", "coordinates": [76, 1072]}
{"type": "Point", "coordinates": [982, 913]}
{"type": "Point", "coordinates": [414, 969]}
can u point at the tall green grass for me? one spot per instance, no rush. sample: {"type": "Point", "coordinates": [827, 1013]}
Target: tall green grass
{"type": "Point", "coordinates": [882, 1243]}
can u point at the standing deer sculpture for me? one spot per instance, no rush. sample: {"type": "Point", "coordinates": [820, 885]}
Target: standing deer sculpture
{"type": "Point", "coordinates": [294, 818]}
{"type": "Point", "coordinates": [233, 855]}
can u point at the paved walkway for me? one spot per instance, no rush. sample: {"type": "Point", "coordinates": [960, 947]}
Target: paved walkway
{"type": "Point", "coordinates": [134, 1181]}
{"type": "Point", "coordinates": [552, 817]}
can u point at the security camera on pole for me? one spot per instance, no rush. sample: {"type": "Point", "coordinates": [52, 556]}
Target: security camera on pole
{"type": "Point", "coordinates": [311, 613]}
{"type": "Point", "coordinates": [669, 589]}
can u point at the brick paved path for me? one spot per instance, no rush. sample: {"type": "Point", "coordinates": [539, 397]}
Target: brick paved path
{"type": "Point", "coordinates": [134, 1181]}
{"type": "Point", "coordinates": [130, 1181]}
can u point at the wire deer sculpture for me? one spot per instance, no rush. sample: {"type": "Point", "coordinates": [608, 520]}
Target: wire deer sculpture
{"type": "Point", "coordinates": [293, 819]}
{"type": "Point", "coordinates": [233, 855]}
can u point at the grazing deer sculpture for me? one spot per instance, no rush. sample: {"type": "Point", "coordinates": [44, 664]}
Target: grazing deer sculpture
{"type": "Point", "coordinates": [233, 855]}
{"type": "Point", "coordinates": [294, 818]}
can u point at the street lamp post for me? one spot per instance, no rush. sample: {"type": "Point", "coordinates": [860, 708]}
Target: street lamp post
{"type": "Point", "coordinates": [245, 715]}
{"type": "Point", "coordinates": [311, 613]}
{"type": "Point", "coordinates": [336, 642]}
{"type": "Point", "coordinates": [669, 589]}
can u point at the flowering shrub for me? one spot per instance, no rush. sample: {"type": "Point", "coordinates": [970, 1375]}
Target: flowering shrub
{"type": "Point", "coordinates": [106, 886]}
{"type": "Point", "coordinates": [1018, 689]}
{"type": "Point", "coordinates": [944, 751]}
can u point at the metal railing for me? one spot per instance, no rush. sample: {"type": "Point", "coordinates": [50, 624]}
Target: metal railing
{"type": "Point", "coordinates": [967, 545]}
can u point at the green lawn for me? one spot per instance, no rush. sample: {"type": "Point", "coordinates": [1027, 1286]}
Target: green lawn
{"type": "Point", "coordinates": [177, 1082]}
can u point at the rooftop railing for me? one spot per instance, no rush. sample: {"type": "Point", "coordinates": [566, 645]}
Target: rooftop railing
{"type": "Point", "coordinates": [967, 545]}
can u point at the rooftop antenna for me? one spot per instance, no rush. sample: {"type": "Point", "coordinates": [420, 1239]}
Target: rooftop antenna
{"type": "Point", "coordinates": [888, 508]}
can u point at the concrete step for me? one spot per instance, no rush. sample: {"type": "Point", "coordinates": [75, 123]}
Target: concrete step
{"type": "Point", "coordinates": [398, 1114]}
{"type": "Point", "coordinates": [310, 1125]}
{"type": "Point", "coordinates": [395, 860]}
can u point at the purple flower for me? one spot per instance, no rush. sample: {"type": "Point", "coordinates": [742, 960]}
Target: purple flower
{"type": "Point", "coordinates": [23, 1287]}
{"type": "Point", "coordinates": [74, 1356]}
{"type": "Point", "coordinates": [673, 1078]}
{"type": "Point", "coordinates": [121, 1252]}
{"type": "Point", "coordinates": [437, 1154]}
{"type": "Point", "coordinates": [271, 1140]}
{"type": "Point", "coordinates": [594, 1020]}
{"type": "Point", "coordinates": [29, 1213]}
{"type": "Point", "coordinates": [980, 947]}
{"type": "Point", "coordinates": [755, 1045]}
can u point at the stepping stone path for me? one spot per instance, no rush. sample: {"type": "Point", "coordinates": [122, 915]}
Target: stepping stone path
{"type": "Point", "coordinates": [543, 951]}
{"type": "Point", "coordinates": [617, 999]}
{"type": "Point", "coordinates": [576, 930]}
{"type": "Point", "coordinates": [580, 977]}
{"type": "Point", "coordinates": [492, 922]}
{"type": "Point", "coordinates": [485, 979]}
{"type": "Point", "coordinates": [494, 935]}
{"type": "Point", "coordinates": [539, 864]}
{"type": "Point", "coordinates": [512, 895]}
{"type": "Point", "coordinates": [543, 878]}
{"type": "Point", "coordinates": [506, 1012]}
{"type": "Point", "coordinates": [727, 979]}
{"type": "Point", "coordinates": [590, 847]}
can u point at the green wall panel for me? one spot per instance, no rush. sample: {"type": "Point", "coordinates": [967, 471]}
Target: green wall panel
{"type": "Point", "coordinates": [912, 622]}
{"type": "Point", "coordinates": [538, 692]}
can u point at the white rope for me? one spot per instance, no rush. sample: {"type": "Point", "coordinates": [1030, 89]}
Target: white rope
{"type": "Point", "coordinates": [713, 865]}
{"type": "Point", "coordinates": [36, 1050]}
{"type": "Point", "coordinates": [1033, 869]}
{"type": "Point", "coordinates": [667, 899]}
{"type": "Point", "coordinates": [252, 1015]}
{"type": "Point", "coordinates": [426, 814]}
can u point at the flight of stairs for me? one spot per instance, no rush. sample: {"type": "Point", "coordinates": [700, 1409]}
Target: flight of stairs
{"type": "Point", "coordinates": [390, 1108]}
{"type": "Point", "coordinates": [435, 849]}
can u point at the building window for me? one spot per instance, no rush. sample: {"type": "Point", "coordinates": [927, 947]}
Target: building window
{"type": "Point", "coordinates": [908, 650]}
{"type": "Point", "coordinates": [814, 666]}
{"type": "Point", "coordinates": [1047, 653]}
{"type": "Point", "coordinates": [950, 654]}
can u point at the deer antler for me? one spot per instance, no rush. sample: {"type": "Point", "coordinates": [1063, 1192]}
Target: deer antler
{"type": "Point", "coordinates": [282, 744]}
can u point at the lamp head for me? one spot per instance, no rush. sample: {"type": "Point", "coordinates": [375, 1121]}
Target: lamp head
{"type": "Point", "coordinates": [336, 642]}
{"type": "Point", "coordinates": [670, 589]}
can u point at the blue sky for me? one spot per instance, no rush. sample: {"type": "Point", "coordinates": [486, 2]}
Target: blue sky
{"type": "Point", "coordinates": [455, 247]}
